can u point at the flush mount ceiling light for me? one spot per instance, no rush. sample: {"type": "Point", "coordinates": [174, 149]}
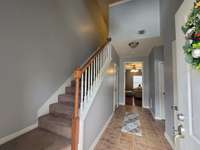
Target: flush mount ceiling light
{"type": "Point", "coordinates": [134, 69]}
{"type": "Point", "coordinates": [133, 44]}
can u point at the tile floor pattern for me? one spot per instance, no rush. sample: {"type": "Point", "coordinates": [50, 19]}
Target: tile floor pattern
{"type": "Point", "coordinates": [152, 139]}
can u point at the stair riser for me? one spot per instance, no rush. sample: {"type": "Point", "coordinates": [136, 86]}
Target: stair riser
{"type": "Point", "coordinates": [57, 129]}
{"type": "Point", "coordinates": [70, 90]}
{"type": "Point", "coordinates": [61, 111]}
{"type": "Point", "coordinates": [68, 98]}
{"type": "Point", "coordinates": [65, 98]}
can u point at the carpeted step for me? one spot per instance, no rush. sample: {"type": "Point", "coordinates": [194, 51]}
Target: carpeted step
{"type": "Point", "coordinates": [70, 90]}
{"type": "Point", "coordinates": [58, 125]}
{"type": "Point", "coordinates": [62, 109]}
{"type": "Point", "coordinates": [66, 98]}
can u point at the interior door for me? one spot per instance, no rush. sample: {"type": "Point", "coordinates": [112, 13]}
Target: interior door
{"type": "Point", "coordinates": [115, 91]}
{"type": "Point", "coordinates": [161, 89]}
{"type": "Point", "coordinates": [188, 86]}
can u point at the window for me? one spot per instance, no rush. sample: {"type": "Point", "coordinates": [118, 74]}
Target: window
{"type": "Point", "coordinates": [136, 81]}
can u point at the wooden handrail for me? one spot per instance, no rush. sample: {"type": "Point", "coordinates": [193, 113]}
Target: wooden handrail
{"type": "Point", "coordinates": [93, 55]}
{"type": "Point", "coordinates": [75, 117]}
{"type": "Point", "coordinates": [77, 76]}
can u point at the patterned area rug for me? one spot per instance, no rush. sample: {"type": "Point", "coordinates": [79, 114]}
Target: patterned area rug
{"type": "Point", "coordinates": [131, 124]}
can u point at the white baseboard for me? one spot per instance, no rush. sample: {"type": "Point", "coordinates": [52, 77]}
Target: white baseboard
{"type": "Point", "coordinates": [146, 107]}
{"type": "Point", "coordinates": [44, 109]}
{"type": "Point", "coordinates": [157, 118]}
{"type": "Point", "coordinates": [169, 140]}
{"type": "Point", "coordinates": [154, 116]}
{"type": "Point", "coordinates": [122, 103]}
{"type": "Point", "coordinates": [18, 133]}
{"type": "Point", "coordinates": [101, 133]}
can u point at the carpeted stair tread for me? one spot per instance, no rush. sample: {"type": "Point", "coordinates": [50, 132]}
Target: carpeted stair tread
{"type": "Point", "coordinates": [57, 125]}
{"type": "Point", "coordinates": [62, 109]}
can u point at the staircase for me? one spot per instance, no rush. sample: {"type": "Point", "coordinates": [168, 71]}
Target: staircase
{"type": "Point", "coordinates": [63, 117]}
{"type": "Point", "coordinates": [59, 119]}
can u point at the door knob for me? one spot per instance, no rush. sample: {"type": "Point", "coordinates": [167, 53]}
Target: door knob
{"type": "Point", "coordinates": [179, 133]}
{"type": "Point", "coordinates": [180, 117]}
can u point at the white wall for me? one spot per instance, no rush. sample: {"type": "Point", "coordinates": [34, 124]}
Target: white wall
{"type": "Point", "coordinates": [146, 79]}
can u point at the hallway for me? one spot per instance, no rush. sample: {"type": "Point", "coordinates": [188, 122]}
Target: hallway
{"type": "Point", "coordinates": [152, 133]}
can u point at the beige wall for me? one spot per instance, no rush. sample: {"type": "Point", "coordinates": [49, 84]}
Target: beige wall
{"type": "Point", "coordinates": [99, 14]}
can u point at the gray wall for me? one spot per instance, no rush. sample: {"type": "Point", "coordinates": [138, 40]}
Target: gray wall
{"type": "Point", "coordinates": [102, 107]}
{"type": "Point", "coordinates": [145, 60]}
{"type": "Point", "coordinates": [157, 54]}
{"type": "Point", "coordinates": [167, 19]}
{"type": "Point", "coordinates": [41, 42]}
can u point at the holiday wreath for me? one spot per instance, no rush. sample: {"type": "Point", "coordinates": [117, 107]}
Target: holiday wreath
{"type": "Point", "coordinates": [191, 30]}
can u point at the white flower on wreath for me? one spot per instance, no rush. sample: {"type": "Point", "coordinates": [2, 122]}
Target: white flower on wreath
{"type": "Point", "coordinates": [196, 53]}
{"type": "Point", "coordinates": [190, 32]}
{"type": "Point", "coordinates": [198, 16]}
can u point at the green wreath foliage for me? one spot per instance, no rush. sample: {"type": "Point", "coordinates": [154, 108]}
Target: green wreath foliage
{"type": "Point", "coordinates": [192, 31]}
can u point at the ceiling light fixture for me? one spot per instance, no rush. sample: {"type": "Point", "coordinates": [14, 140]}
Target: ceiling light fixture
{"type": "Point", "coordinates": [134, 69]}
{"type": "Point", "coordinates": [133, 44]}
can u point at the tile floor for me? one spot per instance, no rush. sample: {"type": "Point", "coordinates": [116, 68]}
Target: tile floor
{"type": "Point", "coordinates": [153, 133]}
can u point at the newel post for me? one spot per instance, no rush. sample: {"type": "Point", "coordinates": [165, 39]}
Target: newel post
{"type": "Point", "coordinates": [75, 117]}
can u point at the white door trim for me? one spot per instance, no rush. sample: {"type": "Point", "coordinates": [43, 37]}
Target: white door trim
{"type": "Point", "coordinates": [115, 103]}
{"type": "Point", "coordinates": [124, 86]}
{"type": "Point", "coordinates": [160, 93]}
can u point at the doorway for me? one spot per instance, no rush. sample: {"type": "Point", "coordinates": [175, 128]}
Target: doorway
{"type": "Point", "coordinates": [133, 83]}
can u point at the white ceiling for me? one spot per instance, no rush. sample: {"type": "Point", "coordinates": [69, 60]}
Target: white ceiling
{"type": "Point", "coordinates": [126, 19]}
